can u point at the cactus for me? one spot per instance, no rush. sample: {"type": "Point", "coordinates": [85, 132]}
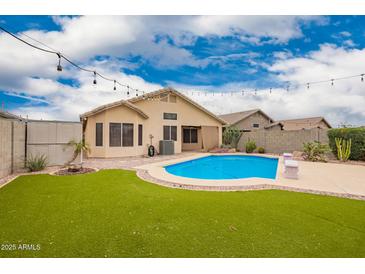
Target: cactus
{"type": "Point", "coordinates": [343, 149]}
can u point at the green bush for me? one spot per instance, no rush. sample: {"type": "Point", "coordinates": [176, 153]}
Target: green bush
{"type": "Point", "coordinates": [36, 163]}
{"type": "Point", "coordinates": [315, 151]}
{"type": "Point", "coordinates": [357, 136]}
{"type": "Point", "coordinates": [250, 146]}
{"type": "Point", "coordinates": [260, 150]}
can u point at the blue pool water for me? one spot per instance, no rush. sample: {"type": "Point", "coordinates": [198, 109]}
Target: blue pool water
{"type": "Point", "coordinates": [226, 167]}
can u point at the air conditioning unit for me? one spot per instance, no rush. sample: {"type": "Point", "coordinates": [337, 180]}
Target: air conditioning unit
{"type": "Point", "coordinates": [167, 147]}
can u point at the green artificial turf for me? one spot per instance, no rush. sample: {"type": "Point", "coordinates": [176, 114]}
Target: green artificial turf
{"type": "Point", "coordinates": [115, 214]}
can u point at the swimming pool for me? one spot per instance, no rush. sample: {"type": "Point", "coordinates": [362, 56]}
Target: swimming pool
{"type": "Point", "coordinates": [226, 167]}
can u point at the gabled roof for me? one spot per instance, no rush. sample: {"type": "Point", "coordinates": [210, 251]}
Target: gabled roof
{"type": "Point", "coordinates": [175, 92]}
{"type": "Point", "coordinates": [8, 115]}
{"type": "Point", "coordinates": [303, 123]}
{"type": "Point", "coordinates": [234, 118]}
{"type": "Point", "coordinates": [114, 104]}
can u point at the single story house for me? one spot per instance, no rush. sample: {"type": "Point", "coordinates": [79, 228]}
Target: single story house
{"type": "Point", "coordinates": [305, 123]}
{"type": "Point", "coordinates": [249, 120]}
{"type": "Point", "coordinates": [128, 127]}
{"type": "Point", "coordinates": [256, 119]}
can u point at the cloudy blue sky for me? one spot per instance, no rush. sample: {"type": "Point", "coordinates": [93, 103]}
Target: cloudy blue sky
{"type": "Point", "coordinates": [191, 53]}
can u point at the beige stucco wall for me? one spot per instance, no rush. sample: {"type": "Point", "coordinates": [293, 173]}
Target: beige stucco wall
{"type": "Point", "coordinates": [256, 118]}
{"type": "Point", "coordinates": [120, 114]}
{"type": "Point", "coordinates": [280, 141]}
{"type": "Point", "coordinates": [187, 115]}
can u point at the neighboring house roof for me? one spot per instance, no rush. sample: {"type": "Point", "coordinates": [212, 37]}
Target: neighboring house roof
{"type": "Point", "coordinates": [275, 124]}
{"type": "Point", "coordinates": [8, 115]}
{"type": "Point", "coordinates": [303, 123]}
{"type": "Point", "coordinates": [114, 104]}
{"type": "Point", "coordinates": [234, 118]}
{"type": "Point", "coordinates": [175, 92]}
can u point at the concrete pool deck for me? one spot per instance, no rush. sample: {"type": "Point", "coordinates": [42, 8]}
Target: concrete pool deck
{"type": "Point", "coordinates": [319, 178]}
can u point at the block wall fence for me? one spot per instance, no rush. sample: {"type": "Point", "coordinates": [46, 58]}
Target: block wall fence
{"type": "Point", "coordinates": [280, 141]}
{"type": "Point", "coordinates": [20, 140]}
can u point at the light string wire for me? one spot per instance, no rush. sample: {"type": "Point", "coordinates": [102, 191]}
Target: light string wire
{"type": "Point", "coordinates": [193, 91]}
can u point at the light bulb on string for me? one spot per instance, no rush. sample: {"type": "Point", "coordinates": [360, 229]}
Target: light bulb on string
{"type": "Point", "coordinates": [255, 91]}
{"type": "Point", "coordinates": [59, 67]}
{"type": "Point", "coordinates": [270, 90]}
{"type": "Point", "coordinates": [128, 90]}
{"type": "Point", "coordinates": [94, 82]}
{"type": "Point", "coordinates": [362, 77]}
{"type": "Point", "coordinates": [332, 82]}
{"type": "Point", "coordinates": [137, 92]}
{"type": "Point", "coordinates": [307, 85]}
{"type": "Point", "coordinates": [115, 88]}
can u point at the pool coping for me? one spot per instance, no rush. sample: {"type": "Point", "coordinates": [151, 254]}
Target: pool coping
{"type": "Point", "coordinates": [156, 173]}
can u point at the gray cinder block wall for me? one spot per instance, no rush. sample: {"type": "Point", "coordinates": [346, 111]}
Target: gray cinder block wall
{"type": "Point", "coordinates": [50, 138]}
{"type": "Point", "coordinates": [12, 146]}
{"type": "Point", "coordinates": [280, 141]}
{"type": "Point", "coordinates": [20, 139]}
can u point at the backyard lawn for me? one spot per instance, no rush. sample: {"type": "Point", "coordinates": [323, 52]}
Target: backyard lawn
{"type": "Point", "coordinates": [115, 214]}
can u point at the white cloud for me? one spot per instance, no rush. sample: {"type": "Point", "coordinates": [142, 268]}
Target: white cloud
{"type": "Point", "coordinates": [27, 72]}
{"type": "Point", "coordinates": [341, 103]}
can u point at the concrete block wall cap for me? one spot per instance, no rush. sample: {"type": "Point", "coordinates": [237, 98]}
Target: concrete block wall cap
{"type": "Point", "coordinates": [291, 163]}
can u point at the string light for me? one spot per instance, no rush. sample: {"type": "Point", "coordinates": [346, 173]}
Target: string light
{"type": "Point", "coordinates": [95, 73]}
{"type": "Point", "coordinates": [59, 67]}
{"type": "Point", "coordinates": [94, 82]}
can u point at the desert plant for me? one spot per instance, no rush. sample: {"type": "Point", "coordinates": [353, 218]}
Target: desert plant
{"type": "Point", "coordinates": [36, 163]}
{"type": "Point", "coordinates": [357, 136]}
{"type": "Point", "coordinates": [79, 147]}
{"type": "Point", "coordinates": [231, 136]}
{"type": "Point", "coordinates": [260, 150]}
{"type": "Point", "coordinates": [343, 149]}
{"type": "Point", "coordinates": [315, 151]}
{"type": "Point", "coordinates": [250, 146]}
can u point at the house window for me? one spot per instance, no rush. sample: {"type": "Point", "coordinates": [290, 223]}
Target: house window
{"type": "Point", "coordinates": [99, 135]}
{"type": "Point", "coordinates": [170, 133]}
{"type": "Point", "coordinates": [114, 134]}
{"type": "Point", "coordinates": [140, 134]}
{"type": "Point", "coordinates": [256, 125]}
{"type": "Point", "coordinates": [169, 116]}
{"type": "Point", "coordinates": [190, 135]}
{"type": "Point", "coordinates": [127, 140]}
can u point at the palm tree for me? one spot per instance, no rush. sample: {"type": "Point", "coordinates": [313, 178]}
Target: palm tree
{"type": "Point", "coordinates": [79, 147]}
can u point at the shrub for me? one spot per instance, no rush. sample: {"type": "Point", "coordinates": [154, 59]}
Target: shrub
{"type": "Point", "coordinates": [343, 149]}
{"type": "Point", "coordinates": [315, 151]}
{"type": "Point", "coordinates": [357, 136]}
{"type": "Point", "coordinates": [260, 150]}
{"type": "Point", "coordinates": [36, 163]}
{"type": "Point", "coordinates": [250, 146]}
{"type": "Point", "coordinates": [231, 136]}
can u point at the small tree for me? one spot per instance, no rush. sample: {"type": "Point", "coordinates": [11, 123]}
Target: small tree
{"type": "Point", "coordinates": [231, 136]}
{"type": "Point", "coordinates": [79, 147]}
